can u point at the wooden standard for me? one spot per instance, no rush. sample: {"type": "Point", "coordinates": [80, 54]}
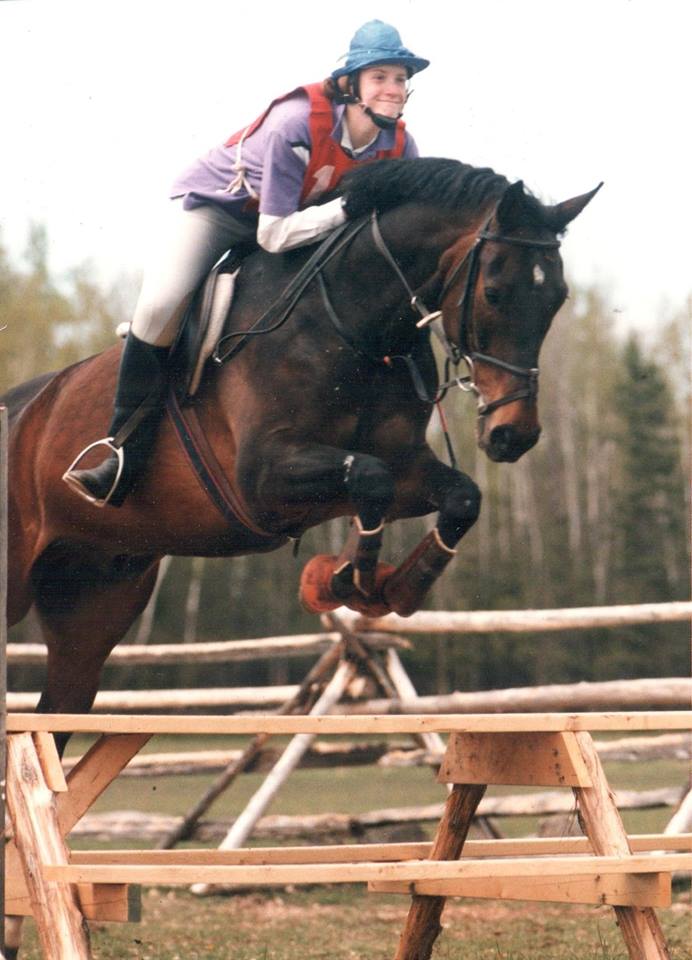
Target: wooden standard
{"type": "Point", "coordinates": [63, 890]}
{"type": "Point", "coordinates": [546, 759]}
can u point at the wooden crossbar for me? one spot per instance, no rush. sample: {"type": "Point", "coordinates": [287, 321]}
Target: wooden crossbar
{"type": "Point", "coordinates": [353, 853]}
{"type": "Point", "coordinates": [310, 873]}
{"type": "Point", "coordinates": [622, 890]}
{"type": "Point", "coordinates": [374, 724]}
{"type": "Point", "coordinates": [388, 852]}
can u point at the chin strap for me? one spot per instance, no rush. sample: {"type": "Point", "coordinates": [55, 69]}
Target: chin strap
{"type": "Point", "coordinates": [384, 123]}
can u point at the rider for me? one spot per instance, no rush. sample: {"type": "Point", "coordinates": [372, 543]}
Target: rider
{"type": "Point", "coordinates": [263, 182]}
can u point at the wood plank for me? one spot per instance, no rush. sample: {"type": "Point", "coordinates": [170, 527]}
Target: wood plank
{"type": "Point", "coordinates": [528, 759]}
{"type": "Point", "coordinates": [378, 724]}
{"type": "Point", "coordinates": [49, 759]}
{"type": "Point", "coordinates": [308, 873]}
{"type": "Point", "coordinates": [110, 902]}
{"type": "Point", "coordinates": [372, 852]}
{"type": "Point", "coordinates": [62, 932]}
{"type": "Point", "coordinates": [601, 822]}
{"type": "Point", "coordinates": [96, 770]}
{"type": "Point", "coordinates": [105, 902]}
{"type": "Point", "coordinates": [636, 890]}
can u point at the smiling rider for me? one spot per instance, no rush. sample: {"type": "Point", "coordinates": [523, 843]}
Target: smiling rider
{"type": "Point", "coordinates": [262, 183]}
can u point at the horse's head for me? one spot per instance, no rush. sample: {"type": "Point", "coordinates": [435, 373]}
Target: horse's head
{"type": "Point", "coordinates": [502, 296]}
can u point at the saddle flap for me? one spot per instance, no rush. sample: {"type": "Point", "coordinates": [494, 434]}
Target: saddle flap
{"type": "Point", "coordinates": [215, 304]}
{"type": "Point", "coordinates": [203, 323]}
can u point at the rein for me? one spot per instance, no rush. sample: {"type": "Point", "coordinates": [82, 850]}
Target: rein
{"type": "Point", "coordinates": [288, 299]}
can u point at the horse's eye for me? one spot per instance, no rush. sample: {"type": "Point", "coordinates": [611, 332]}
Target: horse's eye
{"type": "Point", "coordinates": [492, 295]}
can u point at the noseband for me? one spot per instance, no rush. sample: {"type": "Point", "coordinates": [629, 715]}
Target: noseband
{"type": "Point", "coordinates": [465, 306]}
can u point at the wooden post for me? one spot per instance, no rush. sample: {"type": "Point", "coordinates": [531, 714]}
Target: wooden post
{"type": "Point", "coordinates": [602, 824]}
{"type": "Point", "coordinates": [62, 932]}
{"type": "Point", "coordinates": [423, 922]}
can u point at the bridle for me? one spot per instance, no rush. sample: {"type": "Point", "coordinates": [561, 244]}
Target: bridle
{"type": "Point", "coordinates": [465, 350]}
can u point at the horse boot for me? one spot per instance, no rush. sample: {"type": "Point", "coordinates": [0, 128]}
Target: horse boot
{"type": "Point", "coordinates": [408, 586]}
{"type": "Point", "coordinates": [136, 415]}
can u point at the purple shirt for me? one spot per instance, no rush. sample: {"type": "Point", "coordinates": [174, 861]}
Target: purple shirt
{"type": "Point", "coordinates": [275, 158]}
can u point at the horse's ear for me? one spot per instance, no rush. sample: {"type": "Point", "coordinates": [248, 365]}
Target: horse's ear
{"type": "Point", "coordinates": [563, 213]}
{"type": "Point", "coordinates": [509, 209]}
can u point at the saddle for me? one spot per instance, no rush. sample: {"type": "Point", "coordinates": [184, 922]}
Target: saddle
{"type": "Point", "coordinates": [204, 321]}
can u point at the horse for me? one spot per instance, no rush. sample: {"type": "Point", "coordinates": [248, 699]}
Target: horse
{"type": "Point", "coordinates": [321, 414]}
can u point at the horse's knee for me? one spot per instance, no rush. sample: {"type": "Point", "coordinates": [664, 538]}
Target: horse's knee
{"type": "Point", "coordinates": [460, 511]}
{"type": "Point", "coordinates": [370, 487]}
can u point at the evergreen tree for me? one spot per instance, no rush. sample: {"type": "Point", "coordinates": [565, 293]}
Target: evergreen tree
{"type": "Point", "coordinates": [650, 507]}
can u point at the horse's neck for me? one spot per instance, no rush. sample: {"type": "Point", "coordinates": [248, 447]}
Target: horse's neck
{"type": "Point", "coordinates": [423, 243]}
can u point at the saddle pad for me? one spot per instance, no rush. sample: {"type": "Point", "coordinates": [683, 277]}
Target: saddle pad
{"type": "Point", "coordinates": [215, 303]}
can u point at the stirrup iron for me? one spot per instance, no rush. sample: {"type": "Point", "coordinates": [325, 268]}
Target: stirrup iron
{"type": "Point", "coordinates": [82, 490]}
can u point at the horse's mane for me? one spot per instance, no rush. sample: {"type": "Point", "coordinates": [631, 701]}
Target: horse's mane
{"type": "Point", "coordinates": [385, 184]}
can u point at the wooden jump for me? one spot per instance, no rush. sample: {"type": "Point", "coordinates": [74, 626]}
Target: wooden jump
{"type": "Point", "coordinates": [64, 889]}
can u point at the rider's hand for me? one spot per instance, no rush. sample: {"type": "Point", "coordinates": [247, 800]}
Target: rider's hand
{"type": "Point", "coordinates": [359, 203]}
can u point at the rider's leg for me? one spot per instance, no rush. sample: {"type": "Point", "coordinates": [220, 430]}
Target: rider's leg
{"type": "Point", "coordinates": [189, 244]}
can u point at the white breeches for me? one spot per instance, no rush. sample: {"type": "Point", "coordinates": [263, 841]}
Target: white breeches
{"type": "Point", "coordinates": [185, 246]}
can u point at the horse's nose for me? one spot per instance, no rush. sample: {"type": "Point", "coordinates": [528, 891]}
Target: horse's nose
{"type": "Point", "coordinates": [506, 444]}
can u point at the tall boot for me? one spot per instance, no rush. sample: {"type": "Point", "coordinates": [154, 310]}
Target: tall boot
{"type": "Point", "coordinates": [131, 435]}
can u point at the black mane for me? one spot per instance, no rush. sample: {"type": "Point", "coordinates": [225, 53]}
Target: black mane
{"type": "Point", "coordinates": [386, 184]}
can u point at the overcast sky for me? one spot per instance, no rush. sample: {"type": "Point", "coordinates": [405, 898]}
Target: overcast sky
{"type": "Point", "coordinates": [104, 102]}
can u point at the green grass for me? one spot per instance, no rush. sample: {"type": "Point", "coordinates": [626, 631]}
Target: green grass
{"type": "Point", "coordinates": [345, 923]}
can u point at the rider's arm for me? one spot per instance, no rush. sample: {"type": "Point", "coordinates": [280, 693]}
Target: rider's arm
{"type": "Point", "coordinates": [303, 226]}
{"type": "Point", "coordinates": [282, 224]}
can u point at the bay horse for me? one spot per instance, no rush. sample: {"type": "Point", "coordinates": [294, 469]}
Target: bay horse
{"type": "Point", "coordinates": [324, 416]}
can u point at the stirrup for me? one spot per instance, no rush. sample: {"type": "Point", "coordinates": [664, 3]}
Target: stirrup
{"type": "Point", "coordinates": [76, 484]}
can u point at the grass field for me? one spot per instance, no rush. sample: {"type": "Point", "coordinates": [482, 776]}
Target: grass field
{"type": "Point", "coordinates": [345, 922]}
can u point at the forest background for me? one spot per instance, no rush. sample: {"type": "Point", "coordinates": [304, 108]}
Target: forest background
{"type": "Point", "coordinates": [598, 513]}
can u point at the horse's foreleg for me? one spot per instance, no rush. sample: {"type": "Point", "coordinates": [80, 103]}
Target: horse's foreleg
{"type": "Point", "coordinates": [459, 500]}
{"type": "Point", "coordinates": [329, 475]}
{"type": "Point", "coordinates": [370, 486]}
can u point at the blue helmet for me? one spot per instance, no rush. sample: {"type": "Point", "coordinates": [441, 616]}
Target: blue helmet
{"type": "Point", "coordinates": [375, 43]}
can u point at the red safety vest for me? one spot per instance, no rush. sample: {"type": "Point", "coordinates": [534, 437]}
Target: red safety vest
{"type": "Point", "coordinates": [328, 161]}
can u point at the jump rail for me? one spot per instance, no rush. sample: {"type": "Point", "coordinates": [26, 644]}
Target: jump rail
{"type": "Point", "coordinates": [663, 692]}
{"type": "Point", "coordinates": [356, 725]}
{"type": "Point", "coordinates": [522, 621]}
{"type": "Point", "coordinates": [380, 633]}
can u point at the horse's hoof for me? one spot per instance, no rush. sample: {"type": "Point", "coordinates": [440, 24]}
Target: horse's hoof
{"type": "Point", "coordinates": [317, 589]}
{"type": "Point", "coordinates": [315, 585]}
{"type": "Point", "coordinates": [371, 604]}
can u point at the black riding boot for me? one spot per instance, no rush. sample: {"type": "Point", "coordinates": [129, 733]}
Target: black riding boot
{"type": "Point", "coordinates": [136, 415]}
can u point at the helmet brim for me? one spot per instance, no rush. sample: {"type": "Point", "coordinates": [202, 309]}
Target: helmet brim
{"type": "Point", "coordinates": [353, 64]}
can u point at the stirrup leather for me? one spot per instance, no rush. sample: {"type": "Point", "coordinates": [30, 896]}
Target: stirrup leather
{"type": "Point", "coordinates": [78, 487]}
